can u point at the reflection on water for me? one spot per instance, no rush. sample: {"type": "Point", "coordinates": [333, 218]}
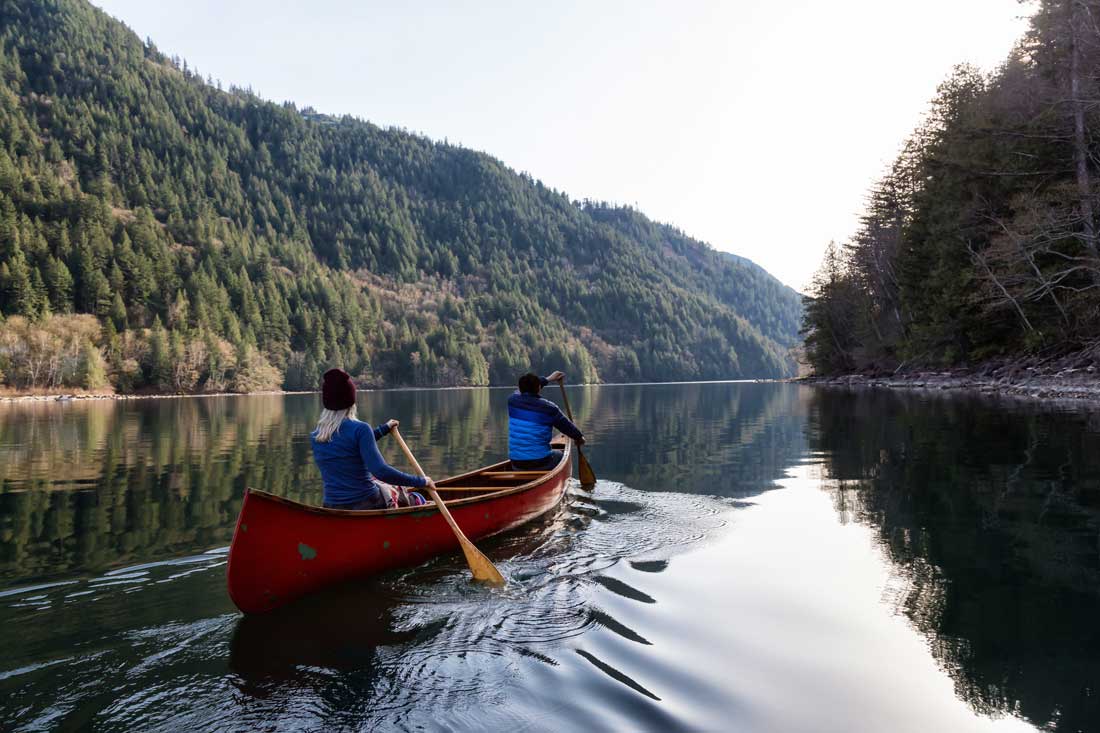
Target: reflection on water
{"type": "Point", "coordinates": [696, 438]}
{"type": "Point", "coordinates": [91, 484]}
{"type": "Point", "coordinates": [992, 516]}
{"type": "Point", "coordinates": [754, 557]}
{"type": "Point", "coordinates": [87, 485]}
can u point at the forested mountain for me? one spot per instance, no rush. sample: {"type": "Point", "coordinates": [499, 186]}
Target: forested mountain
{"type": "Point", "coordinates": [981, 242]}
{"type": "Point", "coordinates": [157, 232]}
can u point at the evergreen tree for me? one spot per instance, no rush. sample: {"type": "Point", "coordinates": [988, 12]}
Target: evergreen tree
{"type": "Point", "coordinates": [981, 242]}
{"type": "Point", "coordinates": [15, 284]}
{"type": "Point", "coordinates": [159, 368]}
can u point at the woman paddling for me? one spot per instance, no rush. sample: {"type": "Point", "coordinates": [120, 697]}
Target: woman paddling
{"type": "Point", "coordinates": [354, 473]}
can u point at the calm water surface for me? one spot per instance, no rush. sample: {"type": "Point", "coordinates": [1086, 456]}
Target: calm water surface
{"type": "Point", "coordinates": [755, 557]}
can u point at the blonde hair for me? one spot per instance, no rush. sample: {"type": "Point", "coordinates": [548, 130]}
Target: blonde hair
{"type": "Point", "coordinates": [330, 421]}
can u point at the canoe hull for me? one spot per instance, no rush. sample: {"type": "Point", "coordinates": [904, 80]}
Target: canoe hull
{"type": "Point", "coordinates": [282, 550]}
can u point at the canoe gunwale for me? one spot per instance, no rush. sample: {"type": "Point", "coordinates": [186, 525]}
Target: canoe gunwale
{"type": "Point", "coordinates": [429, 508]}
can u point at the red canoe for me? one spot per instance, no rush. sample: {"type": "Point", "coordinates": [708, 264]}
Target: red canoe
{"type": "Point", "coordinates": [282, 549]}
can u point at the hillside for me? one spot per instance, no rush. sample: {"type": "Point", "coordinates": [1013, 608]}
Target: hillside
{"type": "Point", "coordinates": [980, 247]}
{"type": "Point", "coordinates": [159, 233]}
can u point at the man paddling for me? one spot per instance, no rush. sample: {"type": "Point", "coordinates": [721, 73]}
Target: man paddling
{"type": "Point", "coordinates": [531, 423]}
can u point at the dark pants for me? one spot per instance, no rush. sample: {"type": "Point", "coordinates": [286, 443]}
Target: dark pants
{"type": "Point", "coordinates": [542, 464]}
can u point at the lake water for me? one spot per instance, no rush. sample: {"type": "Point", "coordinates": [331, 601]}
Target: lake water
{"type": "Point", "coordinates": [755, 557]}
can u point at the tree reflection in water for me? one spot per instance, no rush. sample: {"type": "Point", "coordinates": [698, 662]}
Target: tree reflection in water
{"type": "Point", "coordinates": [991, 514]}
{"type": "Point", "coordinates": [987, 512]}
{"type": "Point", "coordinates": [89, 485]}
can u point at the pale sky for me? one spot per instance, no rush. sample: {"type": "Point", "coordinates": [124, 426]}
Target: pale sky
{"type": "Point", "coordinates": [754, 125]}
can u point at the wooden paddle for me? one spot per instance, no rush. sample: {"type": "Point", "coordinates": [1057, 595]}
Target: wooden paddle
{"type": "Point", "coordinates": [584, 469]}
{"type": "Point", "coordinates": [483, 570]}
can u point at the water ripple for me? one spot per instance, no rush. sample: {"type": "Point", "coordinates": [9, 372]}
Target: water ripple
{"type": "Point", "coordinates": [370, 651]}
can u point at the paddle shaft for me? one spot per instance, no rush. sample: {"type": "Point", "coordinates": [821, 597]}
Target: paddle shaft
{"type": "Point", "coordinates": [584, 468]}
{"type": "Point", "coordinates": [565, 399]}
{"type": "Point", "coordinates": [481, 567]}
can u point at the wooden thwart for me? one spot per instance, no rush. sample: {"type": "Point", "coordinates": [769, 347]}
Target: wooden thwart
{"type": "Point", "coordinates": [505, 475]}
{"type": "Point", "coordinates": [473, 488]}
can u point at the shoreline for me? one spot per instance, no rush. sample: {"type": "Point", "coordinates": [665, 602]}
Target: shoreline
{"type": "Point", "coordinates": [1074, 384]}
{"type": "Point", "coordinates": [1067, 388]}
{"type": "Point", "coordinates": [1072, 376]}
{"type": "Point", "coordinates": [100, 396]}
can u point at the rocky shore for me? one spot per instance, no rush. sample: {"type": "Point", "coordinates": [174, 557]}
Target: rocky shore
{"type": "Point", "coordinates": [71, 396]}
{"type": "Point", "coordinates": [1069, 377]}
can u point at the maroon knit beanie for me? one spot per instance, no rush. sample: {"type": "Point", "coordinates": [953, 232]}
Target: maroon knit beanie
{"type": "Point", "coordinates": [337, 390]}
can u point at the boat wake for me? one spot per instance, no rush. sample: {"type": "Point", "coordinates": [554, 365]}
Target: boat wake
{"type": "Point", "coordinates": [576, 609]}
{"type": "Point", "coordinates": [580, 571]}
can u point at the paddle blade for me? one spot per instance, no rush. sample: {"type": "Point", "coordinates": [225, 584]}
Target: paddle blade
{"type": "Point", "coordinates": [584, 470]}
{"type": "Point", "coordinates": [482, 568]}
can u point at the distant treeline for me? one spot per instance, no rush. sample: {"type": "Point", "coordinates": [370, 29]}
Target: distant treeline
{"type": "Point", "coordinates": [981, 241]}
{"type": "Point", "coordinates": [221, 241]}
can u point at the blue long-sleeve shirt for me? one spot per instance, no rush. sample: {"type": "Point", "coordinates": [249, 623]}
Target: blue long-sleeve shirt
{"type": "Point", "coordinates": [531, 423]}
{"type": "Point", "coordinates": [350, 462]}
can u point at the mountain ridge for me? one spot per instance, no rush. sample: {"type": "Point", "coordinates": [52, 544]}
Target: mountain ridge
{"type": "Point", "coordinates": [222, 240]}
